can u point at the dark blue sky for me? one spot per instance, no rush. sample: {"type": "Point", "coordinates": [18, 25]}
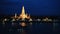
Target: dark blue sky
{"type": "Point", "coordinates": [33, 7]}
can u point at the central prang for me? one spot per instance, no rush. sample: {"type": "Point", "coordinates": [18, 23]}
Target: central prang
{"type": "Point", "coordinates": [23, 15]}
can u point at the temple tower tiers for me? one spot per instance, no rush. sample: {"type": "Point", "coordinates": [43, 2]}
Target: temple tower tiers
{"type": "Point", "coordinates": [23, 15]}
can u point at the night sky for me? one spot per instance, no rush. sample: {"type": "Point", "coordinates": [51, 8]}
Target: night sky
{"type": "Point", "coordinates": [32, 7]}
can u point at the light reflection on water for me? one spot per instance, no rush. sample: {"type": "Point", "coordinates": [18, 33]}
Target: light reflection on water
{"type": "Point", "coordinates": [31, 28]}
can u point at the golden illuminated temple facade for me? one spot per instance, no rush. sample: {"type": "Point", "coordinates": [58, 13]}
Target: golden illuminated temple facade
{"type": "Point", "coordinates": [23, 15]}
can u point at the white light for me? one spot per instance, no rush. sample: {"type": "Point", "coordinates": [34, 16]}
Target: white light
{"type": "Point", "coordinates": [13, 19]}
{"type": "Point", "coordinates": [38, 19]}
{"type": "Point", "coordinates": [46, 19]}
{"type": "Point", "coordinates": [5, 19]}
{"type": "Point", "coordinates": [30, 20]}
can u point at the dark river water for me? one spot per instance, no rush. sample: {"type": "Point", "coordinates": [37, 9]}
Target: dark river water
{"type": "Point", "coordinates": [30, 28]}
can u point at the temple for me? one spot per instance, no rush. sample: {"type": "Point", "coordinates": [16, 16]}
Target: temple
{"type": "Point", "coordinates": [23, 15]}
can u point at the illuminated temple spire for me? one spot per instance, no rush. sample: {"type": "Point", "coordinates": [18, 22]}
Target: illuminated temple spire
{"type": "Point", "coordinates": [23, 15]}
{"type": "Point", "coordinates": [23, 10]}
{"type": "Point", "coordinates": [15, 16]}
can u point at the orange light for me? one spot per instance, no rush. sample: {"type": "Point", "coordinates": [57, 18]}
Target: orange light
{"type": "Point", "coordinates": [23, 24]}
{"type": "Point", "coordinates": [23, 15]}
